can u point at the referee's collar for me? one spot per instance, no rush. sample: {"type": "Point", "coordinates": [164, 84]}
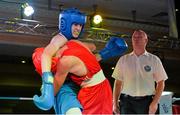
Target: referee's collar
{"type": "Point", "coordinates": [144, 54]}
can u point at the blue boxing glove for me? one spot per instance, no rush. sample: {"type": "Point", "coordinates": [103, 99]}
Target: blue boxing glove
{"type": "Point", "coordinates": [114, 47]}
{"type": "Point", "coordinates": [46, 100]}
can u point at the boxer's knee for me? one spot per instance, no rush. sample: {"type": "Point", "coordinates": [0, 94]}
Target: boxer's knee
{"type": "Point", "coordinates": [74, 111]}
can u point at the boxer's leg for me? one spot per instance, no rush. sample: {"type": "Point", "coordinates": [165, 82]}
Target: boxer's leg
{"type": "Point", "coordinates": [74, 110]}
{"type": "Point", "coordinates": [66, 99]}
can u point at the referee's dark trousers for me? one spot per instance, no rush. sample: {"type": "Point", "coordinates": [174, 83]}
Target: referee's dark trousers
{"type": "Point", "coordinates": [135, 105]}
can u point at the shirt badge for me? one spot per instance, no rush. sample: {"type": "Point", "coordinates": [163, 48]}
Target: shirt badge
{"type": "Point", "coordinates": [147, 68]}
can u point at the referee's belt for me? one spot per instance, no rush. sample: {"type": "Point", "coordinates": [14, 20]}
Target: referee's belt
{"type": "Point", "coordinates": [136, 97]}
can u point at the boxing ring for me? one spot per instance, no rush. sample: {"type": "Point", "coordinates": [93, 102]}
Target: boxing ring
{"type": "Point", "coordinates": [166, 105]}
{"type": "Point", "coordinates": [17, 98]}
{"type": "Point", "coordinates": [30, 31]}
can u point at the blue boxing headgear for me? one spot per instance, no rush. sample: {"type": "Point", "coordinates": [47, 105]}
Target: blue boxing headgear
{"type": "Point", "coordinates": [69, 17]}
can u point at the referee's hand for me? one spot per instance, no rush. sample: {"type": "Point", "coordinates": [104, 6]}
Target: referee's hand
{"type": "Point", "coordinates": [116, 109]}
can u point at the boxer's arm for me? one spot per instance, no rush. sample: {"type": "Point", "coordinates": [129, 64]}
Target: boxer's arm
{"type": "Point", "coordinates": [50, 50]}
{"type": "Point", "coordinates": [114, 47]}
{"type": "Point", "coordinates": [63, 67]}
{"type": "Point", "coordinates": [68, 64]}
{"type": "Point", "coordinates": [46, 100]}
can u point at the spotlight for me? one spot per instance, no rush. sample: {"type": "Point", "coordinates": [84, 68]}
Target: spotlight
{"type": "Point", "coordinates": [28, 10]}
{"type": "Point", "coordinates": [96, 21]}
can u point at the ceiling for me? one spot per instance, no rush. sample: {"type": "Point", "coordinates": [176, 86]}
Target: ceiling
{"type": "Point", "coordinates": [148, 11]}
{"type": "Point", "coordinates": [20, 79]}
{"type": "Point", "coordinates": [121, 9]}
{"type": "Point", "coordinates": [121, 16]}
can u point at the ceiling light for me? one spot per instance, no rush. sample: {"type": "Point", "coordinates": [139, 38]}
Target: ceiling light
{"type": "Point", "coordinates": [28, 10]}
{"type": "Point", "coordinates": [97, 19]}
{"type": "Point", "coordinates": [23, 61]}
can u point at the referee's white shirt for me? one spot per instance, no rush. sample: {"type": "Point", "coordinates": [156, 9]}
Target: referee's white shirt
{"type": "Point", "coordinates": [139, 73]}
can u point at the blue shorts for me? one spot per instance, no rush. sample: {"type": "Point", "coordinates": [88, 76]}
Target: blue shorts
{"type": "Point", "coordinates": [67, 98]}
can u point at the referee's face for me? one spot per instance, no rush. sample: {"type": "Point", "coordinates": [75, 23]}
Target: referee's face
{"type": "Point", "coordinates": [139, 39]}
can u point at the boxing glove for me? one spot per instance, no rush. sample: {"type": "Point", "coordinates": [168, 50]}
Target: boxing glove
{"type": "Point", "coordinates": [46, 100]}
{"type": "Point", "coordinates": [114, 47]}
